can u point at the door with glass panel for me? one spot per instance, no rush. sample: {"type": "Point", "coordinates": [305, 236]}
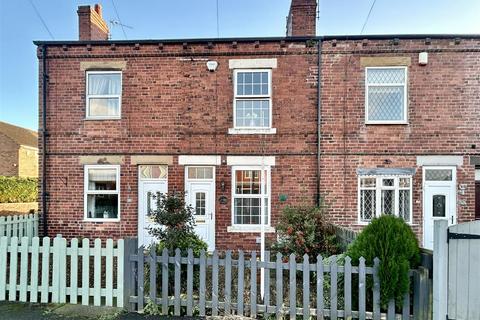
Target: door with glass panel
{"type": "Point", "coordinates": [200, 194]}
{"type": "Point", "coordinates": [439, 199]}
{"type": "Point", "coordinates": [152, 181]}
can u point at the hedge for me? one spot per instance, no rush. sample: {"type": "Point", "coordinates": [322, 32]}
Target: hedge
{"type": "Point", "coordinates": [15, 189]}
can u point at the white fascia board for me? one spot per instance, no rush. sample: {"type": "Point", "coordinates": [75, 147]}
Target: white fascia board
{"type": "Point", "coordinates": [250, 160]}
{"type": "Point", "coordinates": [252, 63]}
{"type": "Point", "coordinates": [439, 160]}
{"type": "Point", "coordinates": [199, 160]}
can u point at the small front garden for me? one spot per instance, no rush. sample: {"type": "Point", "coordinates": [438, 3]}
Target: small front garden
{"type": "Point", "coordinates": [302, 231]}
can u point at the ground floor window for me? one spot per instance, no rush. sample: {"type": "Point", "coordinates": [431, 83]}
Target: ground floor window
{"type": "Point", "coordinates": [102, 192]}
{"type": "Point", "coordinates": [379, 195]}
{"type": "Point", "coordinates": [250, 189]}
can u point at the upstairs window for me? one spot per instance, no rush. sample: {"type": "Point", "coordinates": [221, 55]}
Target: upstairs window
{"type": "Point", "coordinates": [386, 95]}
{"type": "Point", "coordinates": [385, 195]}
{"type": "Point", "coordinates": [104, 94]}
{"type": "Point", "coordinates": [253, 100]}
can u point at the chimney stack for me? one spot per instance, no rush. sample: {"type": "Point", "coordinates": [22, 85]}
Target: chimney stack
{"type": "Point", "coordinates": [302, 18]}
{"type": "Point", "coordinates": [91, 25]}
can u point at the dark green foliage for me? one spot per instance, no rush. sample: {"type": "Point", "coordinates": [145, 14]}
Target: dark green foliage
{"type": "Point", "coordinates": [174, 222]}
{"type": "Point", "coordinates": [303, 230]}
{"type": "Point", "coordinates": [391, 240]}
{"type": "Point", "coordinates": [15, 189]}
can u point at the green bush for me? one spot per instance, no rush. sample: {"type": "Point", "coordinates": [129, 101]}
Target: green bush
{"type": "Point", "coordinates": [391, 240]}
{"type": "Point", "coordinates": [303, 230]}
{"type": "Point", "coordinates": [173, 225]}
{"type": "Point", "coordinates": [14, 189]}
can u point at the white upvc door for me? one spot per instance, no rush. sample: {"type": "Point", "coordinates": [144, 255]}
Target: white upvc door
{"type": "Point", "coordinates": [439, 199]}
{"type": "Point", "coordinates": [148, 188]}
{"type": "Point", "coordinates": [200, 194]}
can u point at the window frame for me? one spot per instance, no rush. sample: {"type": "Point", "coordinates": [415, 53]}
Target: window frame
{"type": "Point", "coordinates": [87, 192]}
{"type": "Point", "coordinates": [252, 97]}
{"type": "Point", "coordinates": [405, 95]}
{"type": "Point", "coordinates": [104, 96]}
{"type": "Point", "coordinates": [251, 227]}
{"type": "Point", "coordinates": [378, 195]}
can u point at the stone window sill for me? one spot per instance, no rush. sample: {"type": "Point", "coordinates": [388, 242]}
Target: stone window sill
{"type": "Point", "coordinates": [252, 131]}
{"type": "Point", "coordinates": [247, 228]}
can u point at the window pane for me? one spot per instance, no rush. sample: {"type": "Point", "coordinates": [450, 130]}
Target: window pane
{"type": "Point", "coordinates": [200, 203]}
{"type": "Point", "coordinates": [388, 182]}
{"type": "Point", "coordinates": [247, 182]}
{"type": "Point", "coordinates": [404, 204]}
{"type": "Point", "coordinates": [404, 182]}
{"type": "Point", "coordinates": [103, 107]}
{"type": "Point", "coordinates": [386, 75]}
{"type": "Point", "coordinates": [153, 172]}
{"type": "Point", "coordinates": [367, 204]}
{"type": "Point", "coordinates": [247, 210]}
{"type": "Point", "coordinates": [253, 113]}
{"type": "Point", "coordinates": [252, 83]}
{"type": "Point", "coordinates": [368, 182]}
{"type": "Point", "coordinates": [388, 202]}
{"type": "Point", "coordinates": [386, 103]}
{"type": "Point", "coordinates": [104, 84]}
{"type": "Point", "coordinates": [200, 173]}
{"type": "Point", "coordinates": [102, 179]}
{"type": "Point", "coordinates": [439, 205]}
{"type": "Point", "coordinates": [102, 206]}
{"type": "Point", "coordinates": [438, 175]}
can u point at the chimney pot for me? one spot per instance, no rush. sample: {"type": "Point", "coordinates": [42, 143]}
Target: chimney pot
{"type": "Point", "coordinates": [98, 9]}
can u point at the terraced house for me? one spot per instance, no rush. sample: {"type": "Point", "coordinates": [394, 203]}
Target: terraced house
{"type": "Point", "coordinates": [373, 124]}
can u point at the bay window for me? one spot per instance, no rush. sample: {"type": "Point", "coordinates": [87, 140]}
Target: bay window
{"type": "Point", "coordinates": [102, 192]}
{"type": "Point", "coordinates": [379, 195]}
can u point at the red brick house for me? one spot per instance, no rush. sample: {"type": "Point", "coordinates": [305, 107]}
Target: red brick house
{"type": "Point", "coordinates": [241, 124]}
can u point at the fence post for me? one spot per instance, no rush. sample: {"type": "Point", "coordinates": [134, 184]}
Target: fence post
{"type": "Point", "coordinates": [440, 269]}
{"type": "Point", "coordinates": [130, 246]}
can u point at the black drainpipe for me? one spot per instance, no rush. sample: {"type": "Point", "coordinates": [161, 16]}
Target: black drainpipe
{"type": "Point", "coordinates": [319, 116]}
{"type": "Point", "coordinates": [44, 139]}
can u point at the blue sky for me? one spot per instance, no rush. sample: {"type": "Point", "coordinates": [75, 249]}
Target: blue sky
{"type": "Point", "coordinates": [161, 19]}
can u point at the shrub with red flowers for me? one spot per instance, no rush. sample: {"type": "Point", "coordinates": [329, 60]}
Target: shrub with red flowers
{"type": "Point", "coordinates": [303, 229]}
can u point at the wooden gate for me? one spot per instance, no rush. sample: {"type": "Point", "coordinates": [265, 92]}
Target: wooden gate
{"type": "Point", "coordinates": [457, 264]}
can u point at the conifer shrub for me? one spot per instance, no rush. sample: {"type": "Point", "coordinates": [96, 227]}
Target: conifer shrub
{"type": "Point", "coordinates": [391, 240]}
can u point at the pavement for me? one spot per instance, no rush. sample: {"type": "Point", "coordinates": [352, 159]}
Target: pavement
{"type": "Point", "coordinates": [31, 311]}
{"type": "Point", "coordinates": [34, 311]}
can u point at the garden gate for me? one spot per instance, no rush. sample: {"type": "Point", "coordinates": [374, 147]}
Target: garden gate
{"type": "Point", "coordinates": [456, 271]}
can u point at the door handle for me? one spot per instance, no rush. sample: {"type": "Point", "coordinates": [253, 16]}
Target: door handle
{"type": "Point", "coordinates": [452, 219]}
{"type": "Point", "coordinates": [211, 215]}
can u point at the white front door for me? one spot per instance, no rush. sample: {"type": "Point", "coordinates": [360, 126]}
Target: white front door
{"type": "Point", "coordinates": [439, 199]}
{"type": "Point", "coordinates": [152, 180]}
{"type": "Point", "coordinates": [200, 194]}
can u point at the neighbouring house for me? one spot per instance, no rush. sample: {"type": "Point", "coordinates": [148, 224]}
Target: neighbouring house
{"type": "Point", "coordinates": [18, 151]}
{"type": "Point", "coordinates": [380, 124]}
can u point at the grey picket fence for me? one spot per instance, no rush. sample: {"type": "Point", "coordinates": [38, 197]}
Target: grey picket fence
{"type": "Point", "coordinates": [214, 285]}
{"type": "Point", "coordinates": [19, 226]}
{"type": "Point", "coordinates": [52, 272]}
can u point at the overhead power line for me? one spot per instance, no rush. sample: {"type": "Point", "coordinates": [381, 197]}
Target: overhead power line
{"type": "Point", "coordinates": [368, 16]}
{"type": "Point", "coordinates": [119, 20]}
{"type": "Point", "coordinates": [41, 19]}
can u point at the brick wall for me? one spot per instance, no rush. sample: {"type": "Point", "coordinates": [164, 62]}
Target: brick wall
{"type": "Point", "coordinates": [171, 105]}
{"type": "Point", "coordinates": [8, 156]}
